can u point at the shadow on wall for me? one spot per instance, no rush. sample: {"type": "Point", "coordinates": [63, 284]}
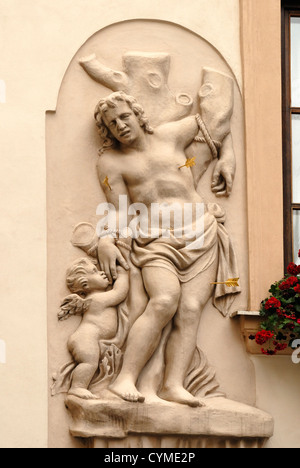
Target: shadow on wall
{"type": "Point", "coordinates": [2, 92]}
{"type": "Point", "coordinates": [2, 352]}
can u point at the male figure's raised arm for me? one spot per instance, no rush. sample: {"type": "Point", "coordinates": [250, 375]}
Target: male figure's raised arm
{"type": "Point", "coordinates": [216, 101]}
{"type": "Point", "coordinates": [181, 132]}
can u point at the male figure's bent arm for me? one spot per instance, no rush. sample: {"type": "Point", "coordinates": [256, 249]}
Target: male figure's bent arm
{"type": "Point", "coordinates": [108, 252]}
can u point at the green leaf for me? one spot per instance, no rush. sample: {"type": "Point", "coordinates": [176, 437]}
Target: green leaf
{"type": "Point", "coordinates": [274, 288]}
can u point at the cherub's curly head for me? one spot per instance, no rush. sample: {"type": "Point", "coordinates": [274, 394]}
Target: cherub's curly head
{"type": "Point", "coordinates": [76, 276]}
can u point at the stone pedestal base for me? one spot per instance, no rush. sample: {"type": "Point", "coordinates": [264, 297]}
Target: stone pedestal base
{"type": "Point", "coordinates": [221, 423]}
{"type": "Point", "coordinates": [176, 442]}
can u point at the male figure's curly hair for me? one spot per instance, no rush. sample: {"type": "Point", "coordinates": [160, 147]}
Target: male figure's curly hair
{"type": "Point", "coordinates": [109, 141]}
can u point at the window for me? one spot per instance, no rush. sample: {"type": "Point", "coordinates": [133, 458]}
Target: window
{"type": "Point", "coordinates": [291, 127]}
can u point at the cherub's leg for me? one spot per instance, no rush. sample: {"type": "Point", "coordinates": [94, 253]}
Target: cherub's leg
{"type": "Point", "coordinates": [85, 350]}
{"type": "Point", "coordinates": [163, 289]}
{"type": "Point", "coordinates": [183, 340]}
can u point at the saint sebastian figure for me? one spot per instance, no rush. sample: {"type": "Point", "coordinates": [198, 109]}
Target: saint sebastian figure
{"type": "Point", "coordinates": [149, 166]}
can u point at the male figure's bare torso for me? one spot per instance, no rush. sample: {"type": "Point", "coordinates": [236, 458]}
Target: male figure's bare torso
{"type": "Point", "coordinates": [151, 173]}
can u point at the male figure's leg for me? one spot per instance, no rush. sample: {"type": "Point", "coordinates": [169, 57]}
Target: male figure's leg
{"type": "Point", "coordinates": [183, 340]}
{"type": "Point", "coordinates": [163, 288]}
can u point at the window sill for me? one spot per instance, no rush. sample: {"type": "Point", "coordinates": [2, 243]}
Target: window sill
{"type": "Point", "coordinates": [249, 323]}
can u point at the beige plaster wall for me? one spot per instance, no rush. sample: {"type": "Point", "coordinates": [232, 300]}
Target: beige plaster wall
{"type": "Point", "coordinates": [38, 39]}
{"type": "Point", "coordinates": [277, 390]}
{"type": "Point", "coordinates": [261, 54]}
{"type": "Point", "coordinates": [277, 378]}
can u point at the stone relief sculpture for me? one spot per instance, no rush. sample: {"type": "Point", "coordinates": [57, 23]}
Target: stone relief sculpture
{"type": "Point", "coordinates": [148, 165]}
{"type": "Point", "coordinates": [159, 252]}
{"type": "Point", "coordinates": [145, 77]}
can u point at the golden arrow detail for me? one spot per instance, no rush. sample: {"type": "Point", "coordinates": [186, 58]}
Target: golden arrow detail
{"type": "Point", "coordinates": [190, 162]}
{"type": "Point", "coordinates": [231, 282]}
{"type": "Point", "coordinates": [106, 183]}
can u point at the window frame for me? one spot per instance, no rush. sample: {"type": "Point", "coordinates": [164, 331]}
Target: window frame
{"type": "Point", "coordinates": [290, 8]}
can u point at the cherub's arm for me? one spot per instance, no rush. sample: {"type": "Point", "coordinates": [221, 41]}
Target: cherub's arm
{"type": "Point", "coordinates": [120, 289]}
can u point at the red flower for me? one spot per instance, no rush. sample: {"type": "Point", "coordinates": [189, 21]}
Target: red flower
{"type": "Point", "coordinates": [292, 269]}
{"type": "Point", "coordinates": [291, 317]}
{"type": "Point", "coordinates": [299, 253]}
{"type": "Point", "coordinates": [292, 280]}
{"type": "Point", "coordinates": [263, 336]}
{"type": "Point", "coordinates": [280, 346]}
{"type": "Point", "coordinates": [280, 312]}
{"type": "Point", "coordinates": [272, 303]}
{"type": "Point", "coordinates": [269, 352]}
{"type": "Point", "coordinates": [288, 283]}
{"type": "Point", "coordinates": [297, 289]}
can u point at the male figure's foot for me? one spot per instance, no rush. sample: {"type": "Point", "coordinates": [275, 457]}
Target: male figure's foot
{"type": "Point", "coordinates": [127, 391]}
{"type": "Point", "coordinates": [180, 395]}
{"type": "Point", "coordinates": [82, 393]}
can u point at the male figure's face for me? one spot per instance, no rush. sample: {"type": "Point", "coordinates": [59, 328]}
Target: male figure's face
{"type": "Point", "coordinates": [123, 123]}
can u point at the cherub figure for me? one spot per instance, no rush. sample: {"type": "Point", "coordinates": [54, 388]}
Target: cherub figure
{"type": "Point", "coordinates": [97, 304]}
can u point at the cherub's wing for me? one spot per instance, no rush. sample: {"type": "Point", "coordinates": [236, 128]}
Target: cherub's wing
{"type": "Point", "coordinates": [73, 305]}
